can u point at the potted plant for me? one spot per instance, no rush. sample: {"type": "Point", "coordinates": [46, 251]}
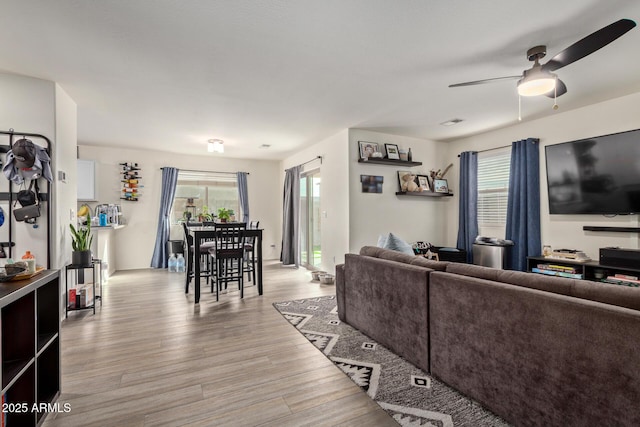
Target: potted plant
{"type": "Point", "coordinates": [224, 214]}
{"type": "Point", "coordinates": [205, 215]}
{"type": "Point", "coordinates": [81, 244]}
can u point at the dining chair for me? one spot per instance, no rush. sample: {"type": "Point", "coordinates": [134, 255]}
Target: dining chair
{"type": "Point", "coordinates": [228, 255]}
{"type": "Point", "coordinates": [188, 238]}
{"type": "Point", "coordinates": [189, 269]}
{"type": "Point", "coordinates": [249, 252]}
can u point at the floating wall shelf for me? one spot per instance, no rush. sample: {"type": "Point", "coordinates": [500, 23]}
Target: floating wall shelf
{"type": "Point", "coordinates": [390, 162]}
{"type": "Point", "coordinates": [423, 194]}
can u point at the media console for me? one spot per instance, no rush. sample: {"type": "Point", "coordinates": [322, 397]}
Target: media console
{"type": "Point", "coordinates": [586, 270]}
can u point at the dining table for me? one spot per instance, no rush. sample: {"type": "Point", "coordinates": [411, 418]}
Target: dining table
{"type": "Point", "coordinates": [206, 233]}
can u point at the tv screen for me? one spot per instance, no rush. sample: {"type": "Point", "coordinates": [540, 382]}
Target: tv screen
{"type": "Point", "coordinates": [599, 175]}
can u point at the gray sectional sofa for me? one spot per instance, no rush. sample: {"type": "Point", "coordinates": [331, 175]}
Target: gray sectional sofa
{"type": "Point", "coordinates": [536, 350]}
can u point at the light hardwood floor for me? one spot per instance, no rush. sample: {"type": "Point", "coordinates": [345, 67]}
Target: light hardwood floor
{"type": "Point", "coordinates": [151, 357]}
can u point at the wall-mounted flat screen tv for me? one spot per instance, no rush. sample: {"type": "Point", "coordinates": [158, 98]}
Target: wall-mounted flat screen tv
{"type": "Point", "coordinates": [599, 175]}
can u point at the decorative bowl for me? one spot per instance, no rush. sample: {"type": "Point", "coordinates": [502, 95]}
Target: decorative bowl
{"type": "Point", "coordinates": [9, 271]}
{"type": "Point", "coordinates": [326, 279]}
{"type": "Point", "coordinates": [316, 274]}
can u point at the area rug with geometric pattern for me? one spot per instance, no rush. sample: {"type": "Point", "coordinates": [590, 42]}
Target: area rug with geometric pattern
{"type": "Point", "coordinates": [409, 395]}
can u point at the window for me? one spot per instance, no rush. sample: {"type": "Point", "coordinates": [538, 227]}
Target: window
{"type": "Point", "coordinates": [493, 187]}
{"type": "Point", "coordinates": [201, 192]}
{"type": "Point", "coordinates": [310, 219]}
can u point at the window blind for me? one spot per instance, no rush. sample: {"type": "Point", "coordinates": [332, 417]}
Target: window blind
{"type": "Point", "coordinates": [493, 186]}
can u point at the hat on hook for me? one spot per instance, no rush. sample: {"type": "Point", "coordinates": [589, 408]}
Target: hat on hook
{"type": "Point", "coordinates": [24, 153]}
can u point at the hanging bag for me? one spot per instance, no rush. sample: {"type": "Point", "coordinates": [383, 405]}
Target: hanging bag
{"type": "Point", "coordinates": [27, 197]}
{"type": "Point", "coordinates": [30, 201]}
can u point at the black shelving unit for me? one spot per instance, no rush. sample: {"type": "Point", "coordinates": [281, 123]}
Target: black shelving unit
{"type": "Point", "coordinates": [96, 267]}
{"type": "Point", "coordinates": [587, 270]}
{"type": "Point", "coordinates": [30, 346]}
{"type": "Point", "coordinates": [389, 162]}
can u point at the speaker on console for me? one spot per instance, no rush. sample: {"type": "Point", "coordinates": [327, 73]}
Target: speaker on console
{"type": "Point", "coordinates": [619, 257]}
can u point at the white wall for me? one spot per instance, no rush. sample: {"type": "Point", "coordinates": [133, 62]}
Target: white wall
{"type": "Point", "coordinates": [411, 218]}
{"type": "Point", "coordinates": [64, 159]}
{"type": "Point", "coordinates": [41, 107]}
{"type": "Point", "coordinates": [562, 231]}
{"type": "Point", "coordinates": [135, 242]}
{"type": "Point", "coordinates": [334, 194]}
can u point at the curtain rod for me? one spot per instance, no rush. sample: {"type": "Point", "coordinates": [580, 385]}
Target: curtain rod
{"type": "Point", "coordinates": [312, 160]}
{"type": "Point", "coordinates": [491, 149]}
{"type": "Point", "coordinates": [193, 170]}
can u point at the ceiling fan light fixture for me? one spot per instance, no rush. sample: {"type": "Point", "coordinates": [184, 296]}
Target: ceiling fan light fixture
{"type": "Point", "coordinates": [536, 82]}
{"type": "Point", "coordinates": [215, 146]}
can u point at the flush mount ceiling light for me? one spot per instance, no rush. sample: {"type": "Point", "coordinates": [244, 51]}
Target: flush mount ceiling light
{"type": "Point", "coordinates": [451, 122]}
{"type": "Point", "coordinates": [215, 146]}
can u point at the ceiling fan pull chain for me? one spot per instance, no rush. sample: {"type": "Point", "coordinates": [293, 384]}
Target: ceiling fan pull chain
{"type": "Point", "coordinates": [555, 95]}
{"type": "Point", "coordinates": [519, 108]}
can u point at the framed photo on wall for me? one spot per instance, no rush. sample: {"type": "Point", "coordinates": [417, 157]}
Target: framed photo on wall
{"type": "Point", "coordinates": [367, 149]}
{"type": "Point", "coordinates": [423, 182]}
{"type": "Point", "coordinates": [440, 186]}
{"type": "Point", "coordinates": [392, 151]}
{"type": "Point", "coordinates": [371, 183]}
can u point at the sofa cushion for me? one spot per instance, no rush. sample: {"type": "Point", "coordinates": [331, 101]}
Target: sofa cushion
{"type": "Point", "coordinates": [621, 296]}
{"type": "Point", "coordinates": [388, 254]}
{"type": "Point", "coordinates": [434, 265]}
{"type": "Point", "coordinates": [473, 270]}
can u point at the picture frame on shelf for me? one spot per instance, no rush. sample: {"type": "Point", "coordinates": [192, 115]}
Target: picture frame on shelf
{"type": "Point", "coordinates": [367, 149]}
{"type": "Point", "coordinates": [401, 174]}
{"type": "Point", "coordinates": [423, 182]}
{"type": "Point", "coordinates": [440, 186]}
{"type": "Point", "coordinates": [393, 152]}
{"type": "Point", "coordinates": [371, 183]}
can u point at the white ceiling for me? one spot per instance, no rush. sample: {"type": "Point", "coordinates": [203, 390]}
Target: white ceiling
{"type": "Point", "coordinates": [169, 75]}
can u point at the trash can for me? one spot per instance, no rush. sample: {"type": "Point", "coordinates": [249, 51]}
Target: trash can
{"type": "Point", "coordinates": [491, 252]}
{"type": "Point", "coordinates": [175, 247]}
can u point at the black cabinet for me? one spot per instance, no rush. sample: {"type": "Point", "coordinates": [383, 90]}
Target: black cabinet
{"type": "Point", "coordinates": [30, 346]}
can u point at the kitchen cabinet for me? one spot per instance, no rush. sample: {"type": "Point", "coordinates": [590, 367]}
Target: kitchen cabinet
{"type": "Point", "coordinates": [87, 180]}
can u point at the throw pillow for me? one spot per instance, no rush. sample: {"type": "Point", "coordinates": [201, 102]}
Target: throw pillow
{"type": "Point", "coordinates": [382, 241]}
{"type": "Point", "coordinates": [395, 243]}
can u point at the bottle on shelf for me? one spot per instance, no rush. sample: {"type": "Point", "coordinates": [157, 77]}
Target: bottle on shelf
{"type": "Point", "coordinates": [180, 266]}
{"type": "Point", "coordinates": [409, 155]}
{"type": "Point", "coordinates": [173, 263]}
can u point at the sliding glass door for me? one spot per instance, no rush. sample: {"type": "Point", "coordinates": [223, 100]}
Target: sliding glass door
{"type": "Point", "coordinates": [310, 250]}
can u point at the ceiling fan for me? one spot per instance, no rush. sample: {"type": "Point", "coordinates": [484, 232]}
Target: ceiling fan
{"type": "Point", "coordinates": [540, 79]}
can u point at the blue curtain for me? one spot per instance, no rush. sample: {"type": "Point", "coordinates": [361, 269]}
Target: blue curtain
{"type": "Point", "coordinates": [468, 211]}
{"type": "Point", "coordinates": [523, 205]}
{"type": "Point", "coordinates": [244, 195]}
{"type": "Point", "coordinates": [169, 182]}
{"type": "Point", "coordinates": [290, 254]}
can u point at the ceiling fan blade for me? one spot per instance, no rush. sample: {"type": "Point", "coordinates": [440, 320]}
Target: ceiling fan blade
{"type": "Point", "coordinates": [589, 44]}
{"type": "Point", "coordinates": [561, 89]}
{"type": "Point", "coordinates": [479, 82]}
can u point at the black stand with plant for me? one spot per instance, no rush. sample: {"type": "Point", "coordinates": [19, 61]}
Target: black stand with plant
{"type": "Point", "coordinates": [81, 244]}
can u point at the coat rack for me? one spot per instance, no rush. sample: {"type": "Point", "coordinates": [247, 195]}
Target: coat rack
{"type": "Point", "coordinates": [44, 197]}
